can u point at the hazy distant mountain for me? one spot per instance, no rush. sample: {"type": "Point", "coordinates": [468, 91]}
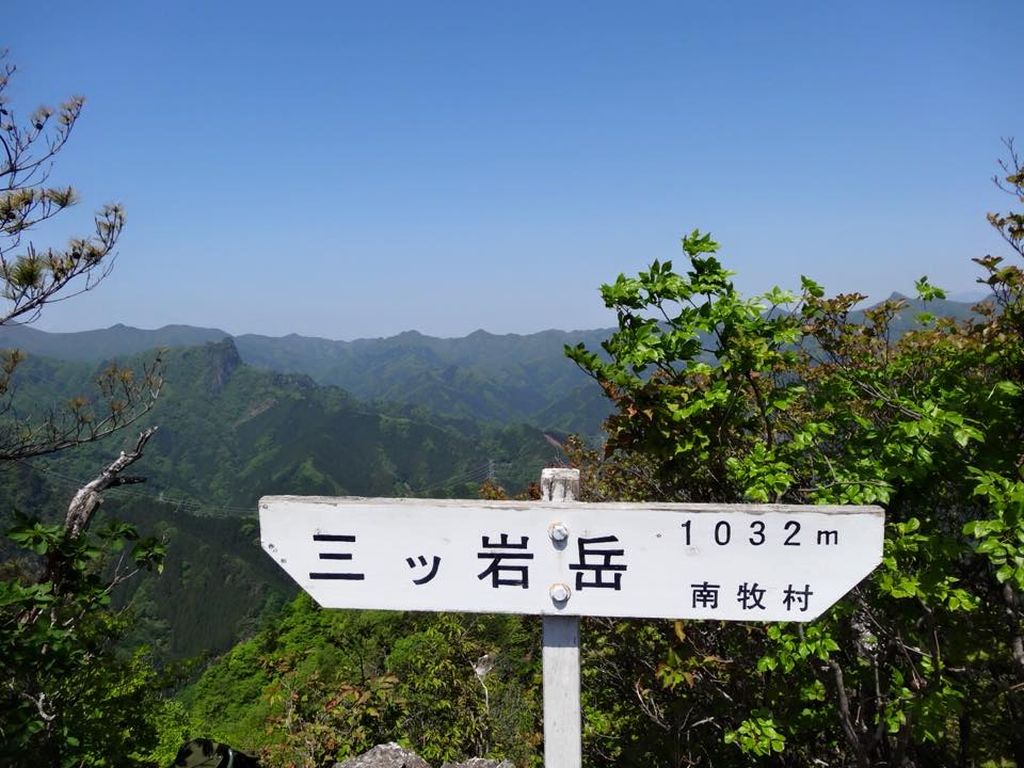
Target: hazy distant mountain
{"type": "Point", "coordinates": [106, 343]}
{"type": "Point", "coordinates": [971, 296]}
{"type": "Point", "coordinates": [907, 319]}
{"type": "Point", "coordinates": [501, 379]}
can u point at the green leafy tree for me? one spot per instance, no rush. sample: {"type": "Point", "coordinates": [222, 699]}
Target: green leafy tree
{"type": "Point", "coordinates": [67, 698]}
{"type": "Point", "coordinates": [794, 397]}
{"type": "Point", "coordinates": [319, 685]}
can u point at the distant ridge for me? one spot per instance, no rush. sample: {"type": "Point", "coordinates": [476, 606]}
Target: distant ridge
{"type": "Point", "coordinates": [488, 377]}
{"type": "Point", "coordinates": [496, 378]}
{"type": "Point", "coordinates": [104, 343]}
{"type": "Point", "coordinates": [500, 379]}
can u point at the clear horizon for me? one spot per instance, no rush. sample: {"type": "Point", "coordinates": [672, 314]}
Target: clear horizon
{"type": "Point", "coordinates": [349, 172]}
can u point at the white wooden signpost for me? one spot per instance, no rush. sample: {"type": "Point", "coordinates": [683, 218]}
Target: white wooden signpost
{"type": "Point", "coordinates": [561, 560]}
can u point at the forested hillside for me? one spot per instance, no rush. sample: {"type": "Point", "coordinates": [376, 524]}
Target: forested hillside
{"type": "Point", "coordinates": [501, 379]}
{"type": "Point", "coordinates": [217, 585]}
{"type": "Point", "coordinates": [228, 434]}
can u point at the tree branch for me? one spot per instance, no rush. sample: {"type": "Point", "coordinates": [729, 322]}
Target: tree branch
{"type": "Point", "coordinates": [845, 718]}
{"type": "Point", "coordinates": [40, 703]}
{"type": "Point", "coordinates": [1017, 639]}
{"type": "Point", "coordinates": [87, 499]}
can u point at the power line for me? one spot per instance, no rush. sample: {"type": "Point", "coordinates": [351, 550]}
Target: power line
{"type": "Point", "coordinates": [179, 503]}
{"type": "Point", "coordinates": [487, 470]}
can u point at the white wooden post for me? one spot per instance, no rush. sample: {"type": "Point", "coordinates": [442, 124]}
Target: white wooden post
{"type": "Point", "coordinates": [563, 745]}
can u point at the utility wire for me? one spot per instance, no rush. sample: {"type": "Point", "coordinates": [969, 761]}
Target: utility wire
{"type": "Point", "coordinates": [180, 503]}
{"type": "Point", "coordinates": [475, 474]}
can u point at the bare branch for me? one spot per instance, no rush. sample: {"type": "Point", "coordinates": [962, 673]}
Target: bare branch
{"type": "Point", "coordinates": [40, 702]}
{"type": "Point", "coordinates": [1010, 599]}
{"type": "Point", "coordinates": [88, 498]}
{"type": "Point", "coordinates": [845, 717]}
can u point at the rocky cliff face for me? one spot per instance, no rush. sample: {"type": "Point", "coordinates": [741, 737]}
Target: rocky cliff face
{"type": "Point", "coordinates": [222, 361]}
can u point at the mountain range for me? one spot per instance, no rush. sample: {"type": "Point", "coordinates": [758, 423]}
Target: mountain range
{"type": "Point", "coordinates": [492, 378]}
{"type": "Point", "coordinates": [228, 434]}
{"type": "Point", "coordinates": [240, 417]}
{"type": "Point", "coordinates": [486, 377]}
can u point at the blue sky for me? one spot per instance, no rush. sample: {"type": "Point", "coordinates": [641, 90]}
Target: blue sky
{"type": "Point", "coordinates": [350, 170]}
